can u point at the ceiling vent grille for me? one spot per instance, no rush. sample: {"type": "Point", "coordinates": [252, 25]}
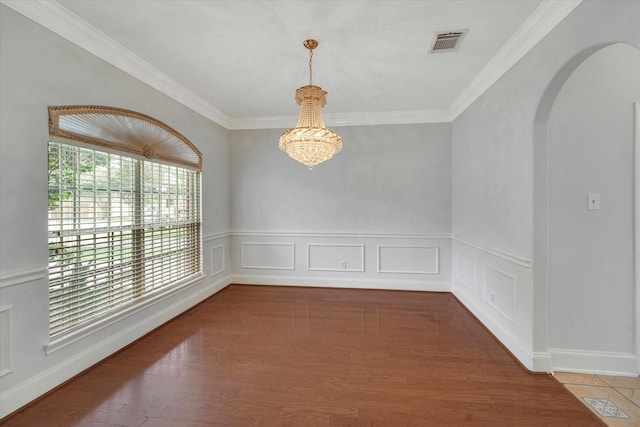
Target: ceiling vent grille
{"type": "Point", "coordinates": [447, 41]}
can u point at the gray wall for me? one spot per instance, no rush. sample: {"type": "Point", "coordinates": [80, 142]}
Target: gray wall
{"type": "Point", "coordinates": [39, 69]}
{"type": "Point", "coordinates": [377, 215]}
{"type": "Point", "coordinates": [590, 150]}
{"type": "Point", "coordinates": [493, 139]}
{"type": "Point", "coordinates": [500, 197]}
{"type": "Point", "coordinates": [384, 208]}
{"type": "Point", "coordinates": [387, 179]}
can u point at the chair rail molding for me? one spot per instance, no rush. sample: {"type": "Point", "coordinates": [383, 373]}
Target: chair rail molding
{"type": "Point", "coordinates": [507, 256]}
{"type": "Point", "coordinates": [216, 236]}
{"type": "Point", "coordinates": [24, 276]}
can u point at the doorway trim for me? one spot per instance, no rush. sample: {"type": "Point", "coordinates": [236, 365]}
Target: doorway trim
{"type": "Point", "coordinates": [636, 221]}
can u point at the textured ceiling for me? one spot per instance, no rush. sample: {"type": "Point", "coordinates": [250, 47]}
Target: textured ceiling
{"type": "Point", "coordinates": [246, 59]}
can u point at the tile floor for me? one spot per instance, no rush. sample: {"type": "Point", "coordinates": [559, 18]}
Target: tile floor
{"type": "Point", "coordinates": [615, 400]}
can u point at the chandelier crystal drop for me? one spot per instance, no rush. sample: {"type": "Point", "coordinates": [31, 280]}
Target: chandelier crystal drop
{"type": "Point", "coordinates": [310, 142]}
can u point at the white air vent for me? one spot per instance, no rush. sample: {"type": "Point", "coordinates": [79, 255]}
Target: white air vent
{"type": "Point", "coordinates": [447, 41]}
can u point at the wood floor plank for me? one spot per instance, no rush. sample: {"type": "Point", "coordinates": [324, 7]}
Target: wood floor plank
{"type": "Point", "coordinates": [306, 357]}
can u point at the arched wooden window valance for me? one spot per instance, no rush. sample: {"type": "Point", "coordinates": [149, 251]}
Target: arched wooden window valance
{"type": "Point", "coordinates": [123, 130]}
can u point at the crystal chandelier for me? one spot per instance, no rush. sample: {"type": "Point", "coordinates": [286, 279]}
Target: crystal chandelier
{"type": "Point", "coordinates": [310, 142]}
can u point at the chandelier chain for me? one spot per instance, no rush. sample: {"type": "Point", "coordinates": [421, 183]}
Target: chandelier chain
{"type": "Point", "coordinates": [310, 68]}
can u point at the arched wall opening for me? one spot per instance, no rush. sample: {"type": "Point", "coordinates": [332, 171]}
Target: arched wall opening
{"type": "Point", "coordinates": [585, 287]}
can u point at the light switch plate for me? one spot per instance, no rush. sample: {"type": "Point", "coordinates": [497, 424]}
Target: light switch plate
{"type": "Point", "coordinates": [593, 201]}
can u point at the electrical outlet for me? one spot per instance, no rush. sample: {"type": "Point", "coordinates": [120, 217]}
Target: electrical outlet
{"type": "Point", "coordinates": [493, 297]}
{"type": "Point", "coordinates": [343, 265]}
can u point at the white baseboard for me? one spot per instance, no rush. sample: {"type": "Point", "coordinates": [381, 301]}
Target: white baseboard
{"type": "Point", "coordinates": [593, 362]}
{"type": "Point", "coordinates": [542, 362]}
{"type": "Point", "coordinates": [324, 282]}
{"type": "Point", "coordinates": [29, 390]}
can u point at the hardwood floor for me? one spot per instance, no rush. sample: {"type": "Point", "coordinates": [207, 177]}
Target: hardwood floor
{"type": "Point", "coordinates": [306, 357]}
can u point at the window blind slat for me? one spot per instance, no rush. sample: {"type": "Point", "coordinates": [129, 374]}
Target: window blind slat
{"type": "Point", "coordinates": [119, 228]}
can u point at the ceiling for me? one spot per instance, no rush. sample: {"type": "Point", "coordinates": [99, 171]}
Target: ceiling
{"type": "Point", "coordinates": [240, 62]}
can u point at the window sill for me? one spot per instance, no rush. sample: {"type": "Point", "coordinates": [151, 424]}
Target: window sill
{"type": "Point", "coordinates": [139, 305]}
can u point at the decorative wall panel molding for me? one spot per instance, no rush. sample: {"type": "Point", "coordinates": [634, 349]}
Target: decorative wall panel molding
{"type": "Point", "coordinates": [335, 257]}
{"type": "Point", "coordinates": [515, 343]}
{"type": "Point", "coordinates": [217, 260]}
{"type": "Point", "coordinates": [507, 256]}
{"type": "Point", "coordinates": [20, 277]}
{"type": "Point", "coordinates": [465, 270]}
{"type": "Point", "coordinates": [5, 340]}
{"type": "Point", "coordinates": [268, 256]}
{"type": "Point", "coordinates": [343, 260]}
{"type": "Point", "coordinates": [499, 291]}
{"type": "Point", "coordinates": [499, 298]}
{"type": "Point", "coordinates": [408, 259]}
{"type": "Point", "coordinates": [216, 236]}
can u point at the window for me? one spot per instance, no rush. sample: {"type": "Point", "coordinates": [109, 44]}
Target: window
{"type": "Point", "coordinates": [122, 227]}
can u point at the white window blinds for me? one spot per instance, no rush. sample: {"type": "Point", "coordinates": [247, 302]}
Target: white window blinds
{"type": "Point", "coordinates": [121, 228]}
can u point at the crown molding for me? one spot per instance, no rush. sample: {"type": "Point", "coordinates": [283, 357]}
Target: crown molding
{"type": "Point", "coordinates": [66, 24]}
{"type": "Point", "coordinates": [55, 17]}
{"type": "Point", "coordinates": [262, 122]}
{"type": "Point", "coordinates": [345, 119]}
{"type": "Point", "coordinates": [547, 15]}
{"type": "Point", "coordinates": [336, 234]}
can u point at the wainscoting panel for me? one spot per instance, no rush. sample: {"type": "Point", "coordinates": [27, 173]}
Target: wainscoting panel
{"type": "Point", "coordinates": [408, 259]}
{"type": "Point", "coordinates": [217, 260]}
{"type": "Point", "coordinates": [216, 250]}
{"type": "Point", "coordinates": [5, 340]}
{"type": "Point", "coordinates": [345, 260]}
{"type": "Point", "coordinates": [500, 291]}
{"type": "Point", "coordinates": [497, 287]}
{"type": "Point", "coordinates": [465, 272]}
{"type": "Point", "coordinates": [268, 256]}
{"type": "Point", "coordinates": [335, 257]}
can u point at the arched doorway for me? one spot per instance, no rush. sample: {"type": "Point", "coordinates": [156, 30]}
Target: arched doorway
{"type": "Point", "coordinates": [584, 259]}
